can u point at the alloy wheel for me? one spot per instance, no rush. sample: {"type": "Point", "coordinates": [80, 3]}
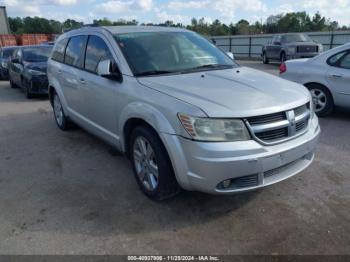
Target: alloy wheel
{"type": "Point", "coordinates": [58, 110]}
{"type": "Point", "coordinates": [145, 163]}
{"type": "Point", "coordinates": [319, 99]}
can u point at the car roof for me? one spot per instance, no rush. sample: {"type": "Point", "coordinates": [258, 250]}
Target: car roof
{"type": "Point", "coordinates": [139, 29]}
{"type": "Point", "coordinates": [124, 29]}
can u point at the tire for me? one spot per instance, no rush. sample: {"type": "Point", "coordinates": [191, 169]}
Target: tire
{"type": "Point", "coordinates": [154, 173]}
{"type": "Point", "coordinates": [27, 90]}
{"type": "Point", "coordinates": [283, 57]}
{"type": "Point", "coordinates": [322, 99]}
{"type": "Point", "coordinates": [60, 118]}
{"type": "Point", "coordinates": [13, 85]}
{"type": "Point", "coordinates": [265, 59]}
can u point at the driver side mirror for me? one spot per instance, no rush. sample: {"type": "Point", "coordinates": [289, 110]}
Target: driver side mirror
{"type": "Point", "coordinates": [110, 70]}
{"type": "Point", "coordinates": [15, 61]}
{"type": "Point", "coordinates": [230, 54]}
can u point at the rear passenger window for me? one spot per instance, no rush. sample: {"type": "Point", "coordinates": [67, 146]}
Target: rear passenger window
{"type": "Point", "coordinates": [345, 62]}
{"type": "Point", "coordinates": [96, 51]}
{"type": "Point", "coordinates": [58, 52]}
{"type": "Point", "coordinates": [333, 61]}
{"type": "Point", "coordinates": [74, 51]}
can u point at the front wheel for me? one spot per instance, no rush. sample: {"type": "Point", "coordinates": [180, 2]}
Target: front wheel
{"type": "Point", "coordinates": [265, 59]}
{"type": "Point", "coordinates": [13, 85]}
{"type": "Point", "coordinates": [283, 57]}
{"type": "Point", "coordinates": [151, 164]}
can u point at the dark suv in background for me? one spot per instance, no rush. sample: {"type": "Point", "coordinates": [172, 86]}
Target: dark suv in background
{"type": "Point", "coordinates": [28, 67]}
{"type": "Point", "coordinates": [290, 46]}
{"type": "Point", "coordinates": [5, 56]}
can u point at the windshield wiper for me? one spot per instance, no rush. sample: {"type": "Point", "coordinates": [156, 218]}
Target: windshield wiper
{"type": "Point", "coordinates": [210, 66]}
{"type": "Point", "coordinates": [154, 72]}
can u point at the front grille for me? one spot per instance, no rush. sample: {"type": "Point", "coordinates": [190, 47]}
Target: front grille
{"type": "Point", "coordinates": [246, 181]}
{"type": "Point", "coordinates": [267, 118]}
{"type": "Point", "coordinates": [276, 127]}
{"type": "Point", "coordinates": [307, 49]}
{"type": "Point", "coordinates": [273, 134]}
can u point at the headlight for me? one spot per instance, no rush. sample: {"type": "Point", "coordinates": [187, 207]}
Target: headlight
{"type": "Point", "coordinates": [320, 48]}
{"type": "Point", "coordinates": [291, 50]}
{"type": "Point", "coordinates": [4, 64]}
{"type": "Point", "coordinates": [218, 130]}
{"type": "Point", "coordinates": [36, 73]}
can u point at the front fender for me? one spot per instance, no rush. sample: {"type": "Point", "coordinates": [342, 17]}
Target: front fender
{"type": "Point", "coordinates": [147, 113]}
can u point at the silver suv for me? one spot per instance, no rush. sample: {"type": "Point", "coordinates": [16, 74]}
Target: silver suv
{"type": "Point", "coordinates": [183, 111]}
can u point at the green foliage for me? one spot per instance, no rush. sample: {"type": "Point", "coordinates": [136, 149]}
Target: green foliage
{"type": "Point", "coordinates": [281, 23]}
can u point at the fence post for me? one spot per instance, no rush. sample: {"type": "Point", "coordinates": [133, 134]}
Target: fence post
{"type": "Point", "coordinates": [230, 44]}
{"type": "Point", "coordinates": [332, 40]}
{"type": "Point", "coordinates": [250, 46]}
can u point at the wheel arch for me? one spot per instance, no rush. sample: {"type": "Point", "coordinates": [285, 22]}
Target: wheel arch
{"type": "Point", "coordinates": [313, 83]}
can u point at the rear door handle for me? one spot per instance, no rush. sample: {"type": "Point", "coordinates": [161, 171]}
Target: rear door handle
{"type": "Point", "coordinates": [59, 72]}
{"type": "Point", "coordinates": [337, 76]}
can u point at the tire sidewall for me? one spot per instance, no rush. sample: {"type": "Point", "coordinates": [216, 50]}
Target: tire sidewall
{"type": "Point", "coordinates": [167, 184]}
{"type": "Point", "coordinates": [330, 102]}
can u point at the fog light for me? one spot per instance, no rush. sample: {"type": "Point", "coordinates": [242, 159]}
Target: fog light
{"type": "Point", "coordinates": [226, 183]}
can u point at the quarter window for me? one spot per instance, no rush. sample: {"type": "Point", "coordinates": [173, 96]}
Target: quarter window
{"type": "Point", "coordinates": [58, 52]}
{"type": "Point", "coordinates": [96, 51]}
{"type": "Point", "coordinates": [74, 51]}
{"type": "Point", "coordinates": [345, 62]}
{"type": "Point", "coordinates": [333, 61]}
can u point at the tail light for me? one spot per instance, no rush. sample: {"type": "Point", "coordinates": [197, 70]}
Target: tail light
{"type": "Point", "coordinates": [283, 68]}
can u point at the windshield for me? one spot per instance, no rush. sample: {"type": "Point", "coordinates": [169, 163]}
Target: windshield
{"type": "Point", "coordinates": [296, 38]}
{"type": "Point", "coordinates": [6, 53]}
{"type": "Point", "coordinates": [36, 54]}
{"type": "Point", "coordinates": [154, 53]}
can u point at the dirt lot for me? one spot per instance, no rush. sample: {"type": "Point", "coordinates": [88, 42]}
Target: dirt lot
{"type": "Point", "coordinates": [69, 193]}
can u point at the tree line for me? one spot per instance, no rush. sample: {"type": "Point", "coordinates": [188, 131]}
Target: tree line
{"type": "Point", "coordinates": [281, 23]}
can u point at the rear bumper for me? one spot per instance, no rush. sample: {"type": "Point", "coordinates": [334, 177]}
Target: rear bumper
{"type": "Point", "coordinates": [248, 165]}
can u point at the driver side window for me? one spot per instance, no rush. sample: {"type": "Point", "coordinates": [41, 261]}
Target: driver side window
{"type": "Point", "coordinates": [96, 51]}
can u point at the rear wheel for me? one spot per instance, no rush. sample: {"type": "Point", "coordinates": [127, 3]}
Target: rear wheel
{"type": "Point", "coordinates": [322, 99]}
{"type": "Point", "coordinates": [26, 87]}
{"type": "Point", "coordinates": [60, 118]}
{"type": "Point", "coordinates": [265, 59]}
{"type": "Point", "coordinates": [151, 164]}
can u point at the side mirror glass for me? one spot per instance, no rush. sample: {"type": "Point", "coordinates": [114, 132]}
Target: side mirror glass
{"type": "Point", "coordinates": [109, 70]}
{"type": "Point", "coordinates": [230, 54]}
{"type": "Point", "coordinates": [15, 61]}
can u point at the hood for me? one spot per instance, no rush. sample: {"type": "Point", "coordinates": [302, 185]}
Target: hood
{"type": "Point", "coordinates": [38, 66]}
{"type": "Point", "coordinates": [238, 92]}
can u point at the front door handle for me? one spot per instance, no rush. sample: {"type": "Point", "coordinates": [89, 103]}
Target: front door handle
{"type": "Point", "coordinates": [82, 80]}
{"type": "Point", "coordinates": [59, 72]}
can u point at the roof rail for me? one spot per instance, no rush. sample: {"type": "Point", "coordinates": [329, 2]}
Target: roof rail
{"type": "Point", "coordinates": [83, 26]}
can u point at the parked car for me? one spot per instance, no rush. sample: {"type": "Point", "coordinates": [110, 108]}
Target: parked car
{"type": "Point", "coordinates": [327, 76]}
{"type": "Point", "coordinates": [183, 111]}
{"type": "Point", "coordinates": [290, 46]}
{"type": "Point", "coordinates": [28, 69]}
{"type": "Point", "coordinates": [5, 56]}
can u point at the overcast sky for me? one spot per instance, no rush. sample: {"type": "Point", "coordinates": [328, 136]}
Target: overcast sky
{"type": "Point", "coordinates": [175, 10]}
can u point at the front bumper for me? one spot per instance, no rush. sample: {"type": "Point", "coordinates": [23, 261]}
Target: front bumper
{"type": "Point", "coordinates": [4, 73]}
{"type": "Point", "coordinates": [38, 85]}
{"type": "Point", "coordinates": [203, 166]}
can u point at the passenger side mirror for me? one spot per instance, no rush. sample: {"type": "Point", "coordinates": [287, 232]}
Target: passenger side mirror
{"type": "Point", "coordinates": [109, 70]}
{"type": "Point", "coordinates": [230, 54]}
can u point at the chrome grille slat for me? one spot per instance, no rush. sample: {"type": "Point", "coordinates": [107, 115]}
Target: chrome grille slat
{"type": "Point", "coordinates": [281, 126]}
